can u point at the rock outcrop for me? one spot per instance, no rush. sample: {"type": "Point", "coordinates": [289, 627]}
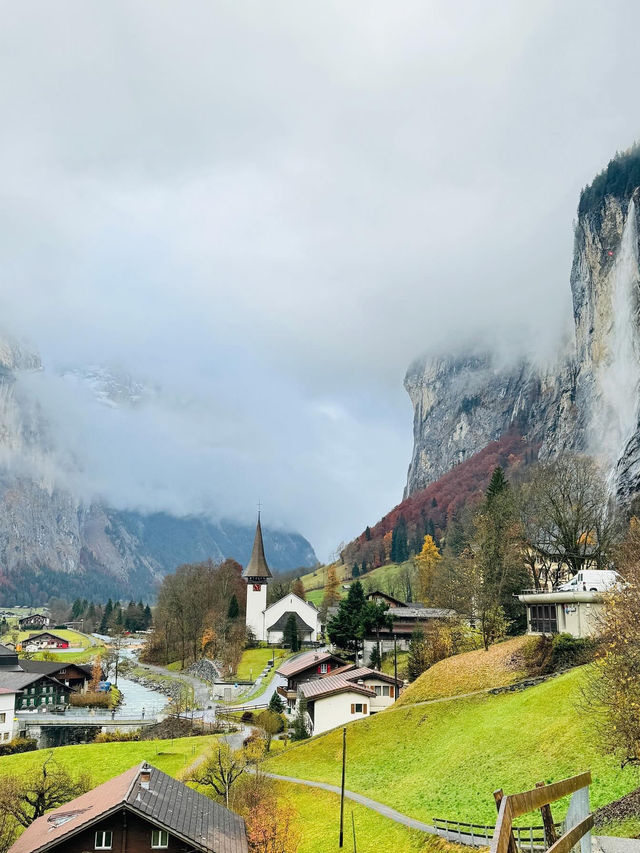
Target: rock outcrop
{"type": "Point", "coordinates": [589, 401]}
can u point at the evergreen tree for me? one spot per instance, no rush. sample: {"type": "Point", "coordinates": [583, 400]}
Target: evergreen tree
{"type": "Point", "coordinates": [299, 730]}
{"type": "Point", "coordinates": [363, 568]}
{"type": "Point", "coordinates": [77, 609]}
{"type": "Point", "coordinates": [418, 655]}
{"type": "Point", "coordinates": [355, 571]}
{"type": "Point", "coordinates": [497, 485]}
{"type": "Point", "coordinates": [148, 619]}
{"type": "Point", "coordinates": [276, 705]}
{"type": "Point", "coordinates": [375, 661]}
{"type": "Point", "coordinates": [234, 608]}
{"type": "Point", "coordinates": [399, 546]}
{"type": "Point", "coordinates": [290, 634]}
{"type": "Point", "coordinates": [105, 624]}
{"type": "Point", "coordinates": [367, 533]}
{"type": "Point", "coordinates": [346, 628]}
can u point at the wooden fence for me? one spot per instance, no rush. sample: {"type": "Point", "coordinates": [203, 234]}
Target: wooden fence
{"type": "Point", "coordinates": [514, 806]}
{"type": "Point", "coordinates": [529, 838]}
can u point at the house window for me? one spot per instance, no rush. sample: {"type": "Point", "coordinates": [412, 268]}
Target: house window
{"type": "Point", "coordinates": [103, 840]}
{"type": "Point", "coordinates": [378, 689]}
{"type": "Point", "coordinates": [5, 736]}
{"type": "Point", "coordinates": [543, 618]}
{"type": "Point", "coordinates": [323, 668]}
{"type": "Point", "coordinates": [359, 708]}
{"type": "Point", "coordinates": [3, 718]}
{"type": "Point", "coordinates": [385, 690]}
{"type": "Point", "coordinates": [159, 839]}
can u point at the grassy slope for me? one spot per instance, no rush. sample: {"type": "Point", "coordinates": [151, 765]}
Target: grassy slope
{"type": "Point", "coordinates": [75, 638]}
{"type": "Point", "coordinates": [445, 759]}
{"type": "Point", "coordinates": [105, 760]}
{"type": "Point", "coordinates": [253, 661]}
{"type": "Point", "coordinates": [318, 820]}
{"type": "Point", "coordinates": [375, 579]}
{"type": "Point", "coordinates": [467, 672]}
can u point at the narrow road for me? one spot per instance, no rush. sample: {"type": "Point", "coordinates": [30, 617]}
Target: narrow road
{"type": "Point", "coordinates": [386, 811]}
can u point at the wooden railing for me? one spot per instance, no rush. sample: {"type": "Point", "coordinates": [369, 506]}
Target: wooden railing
{"type": "Point", "coordinates": [514, 806]}
{"type": "Point", "coordinates": [530, 838]}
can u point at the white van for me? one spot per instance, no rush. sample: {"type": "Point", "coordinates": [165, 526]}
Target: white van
{"type": "Point", "coordinates": [591, 580]}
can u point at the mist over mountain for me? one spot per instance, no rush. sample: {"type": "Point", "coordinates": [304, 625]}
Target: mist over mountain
{"type": "Point", "coordinates": [63, 531]}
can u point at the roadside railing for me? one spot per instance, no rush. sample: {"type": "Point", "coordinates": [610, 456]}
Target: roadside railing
{"type": "Point", "coordinates": [529, 838]}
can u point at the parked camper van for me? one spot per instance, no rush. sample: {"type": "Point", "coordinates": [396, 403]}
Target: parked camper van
{"type": "Point", "coordinates": [591, 580]}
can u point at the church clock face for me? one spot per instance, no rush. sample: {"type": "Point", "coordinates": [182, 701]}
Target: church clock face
{"type": "Point", "coordinates": [257, 587]}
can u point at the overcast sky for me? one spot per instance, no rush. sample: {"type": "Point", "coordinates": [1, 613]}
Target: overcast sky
{"type": "Point", "coordinates": [266, 210]}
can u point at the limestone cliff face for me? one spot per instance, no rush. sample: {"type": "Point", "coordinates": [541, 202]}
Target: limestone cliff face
{"type": "Point", "coordinates": [54, 543]}
{"type": "Point", "coordinates": [589, 401]}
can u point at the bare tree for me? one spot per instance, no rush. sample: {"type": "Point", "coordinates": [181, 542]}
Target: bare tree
{"type": "Point", "coordinates": [566, 518]}
{"type": "Point", "coordinates": [222, 768]}
{"type": "Point", "coordinates": [30, 795]}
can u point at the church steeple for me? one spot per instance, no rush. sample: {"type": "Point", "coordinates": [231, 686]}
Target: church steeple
{"type": "Point", "coordinates": [257, 566]}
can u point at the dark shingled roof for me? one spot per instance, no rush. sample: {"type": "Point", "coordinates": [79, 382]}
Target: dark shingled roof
{"type": "Point", "coordinates": [257, 566]}
{"type": "Point", "coordinates": [279, 625]}
{"type": "Point", "coordinates": [166, 803]}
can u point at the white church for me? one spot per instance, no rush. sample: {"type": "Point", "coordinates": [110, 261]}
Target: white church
{"type": "Point", "coordinates": [267, 623]}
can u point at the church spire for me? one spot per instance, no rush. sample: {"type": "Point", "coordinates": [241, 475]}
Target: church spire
{"type": "Point", "coordinates": [257, 566]}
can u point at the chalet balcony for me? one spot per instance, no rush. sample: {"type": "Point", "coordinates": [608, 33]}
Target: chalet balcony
{"type": "Point", "coordinates": [287, 694]}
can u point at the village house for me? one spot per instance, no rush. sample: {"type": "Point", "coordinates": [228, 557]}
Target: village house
{"type": "Point", "coordinates": [77, 676]}
{"type": "Point", "coordinates": [406, 618]}
{"type": "Point", "coordinates": [572, 612]}
{"type": "Point", "coordinates": [349, 694]}
{"type": "Point", "coordinates": [34, 620]}
{"type": "Point", "coordinates": [8, 726]}
{"type": "Point", "coordinates": [32, 690]}
{"type": "Point", "coordinates": [308, 666]}
{"type": "Point", "coordinates": [43, 640]}
{"type": "Point", "coordinates": [142, 809]}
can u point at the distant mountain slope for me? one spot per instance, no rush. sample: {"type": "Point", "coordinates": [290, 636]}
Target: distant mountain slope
{"type": "Point", "coordinates": [431, 509]}
{"type": "Point", "coordinates": [54, 543]}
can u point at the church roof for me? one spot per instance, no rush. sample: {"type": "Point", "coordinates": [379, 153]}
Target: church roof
{"type": "Point", "coordinates": [280, 624]}
{"type": "Point", "coordinates": [257, 566]}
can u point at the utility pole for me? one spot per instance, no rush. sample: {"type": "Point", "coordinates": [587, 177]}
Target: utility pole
{"type": "Point", "coordinates": [395, 662]}
{"type": "Point", "coordinates": [344, 758]}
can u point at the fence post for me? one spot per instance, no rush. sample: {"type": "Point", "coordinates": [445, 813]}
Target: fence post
{"type": "Point", "coordinates": [550, 836]}
{"type": "Point", "coordinates": [498, 797]}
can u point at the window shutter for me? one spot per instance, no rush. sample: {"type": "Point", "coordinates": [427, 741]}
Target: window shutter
{"type": "Point", "coordinates": [328, 667]}
{"type": "Point", "coordinates": [392, 691]}
{"type": "Point", "coordinates": [364, 708]}
{"type": "Point", "coordinates": [353, 709]}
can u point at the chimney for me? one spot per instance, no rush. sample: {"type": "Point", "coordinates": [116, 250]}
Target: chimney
{"type": "Point", "coordinates": [145, 777]}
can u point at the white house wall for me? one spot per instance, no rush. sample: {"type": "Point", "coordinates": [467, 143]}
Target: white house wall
{"type": "Point", "coordinates": [7, 707]}
{"type": "Point", "coordinates": [332, 711]}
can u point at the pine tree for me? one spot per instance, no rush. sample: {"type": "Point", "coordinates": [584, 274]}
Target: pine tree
{"type": "Point", "coordinates": [276, 704]}
{"type": "Point", "coordinates": [299, 728]}
{"type": "Point", "coordinates": [375, 660]}
{"type": "Point", "coordinates": [105, 624]}
{"type": "Point", "coordinates": [346, 628]}
{"type": "Point", "coordinates": [148, 619]}
{"type": "Point", "coordinates": [234, 608]}
{"type": "Point", "coordinates": [355, 571]}
{"type": "Point", "coordinates": [399, 546]}
{"type": "Point", "coordinates": [418, 655]}
{"type": "Point", "coordinates": [363, 568]}
{"type": "Point", "coordinates": [290, 634]}
{"type": "Point", "coordinates": [367, 533]}
{"type": "Point", "coordinates": [497, 485]}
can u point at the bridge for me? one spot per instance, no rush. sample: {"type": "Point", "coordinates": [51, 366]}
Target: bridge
{"type": "Point", "coordinates": [48, 729]}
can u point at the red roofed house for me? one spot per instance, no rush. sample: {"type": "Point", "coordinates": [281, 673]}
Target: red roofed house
{"type": "Point", "coordinates": [306, 667]}
{"type": "Point", "coordinates": [138, 811]}
{"type": "Point", "coordinates": [351, 693]}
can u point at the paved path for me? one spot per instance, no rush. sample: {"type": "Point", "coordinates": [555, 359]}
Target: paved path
{"type": "Point", "coordinates": [386, 811]}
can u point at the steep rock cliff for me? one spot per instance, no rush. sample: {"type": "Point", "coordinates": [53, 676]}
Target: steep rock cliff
{"type": "Point", "coordinates": [589, 401]}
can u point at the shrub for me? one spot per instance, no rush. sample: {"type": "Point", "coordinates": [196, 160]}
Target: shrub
{"type": "Point", "coordinates": [18, 744]}
{"type": "Point", "coordinates": [247, 717]}
{"type": "Point", "coordinates": [90, 700]}
{"type": "Point", "coordinates": [117, 736]}
{"type": "Point", "coordinates": [570, 651]}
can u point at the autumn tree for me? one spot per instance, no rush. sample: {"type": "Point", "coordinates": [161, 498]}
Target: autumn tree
{"type": "Point", "coordinates": [28, 796]}
{"type": "Point", "coordinates": [331, 588]}
{"type": "Point", "coordinates": [427, 563]}
{"type": "Point", "coordinates": [271, 724]}
{"type": "Point", "coordinates": [386, 545]}
{"type": "Point", "coordinates": [96, 674]}
{"type": "Point", "coordinates": [298, 589]}
{"type": "Point", "coordinates": [613, 683]}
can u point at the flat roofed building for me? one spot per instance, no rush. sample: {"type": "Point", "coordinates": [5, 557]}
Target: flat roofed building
{"type": "Point", "coordinates": [562, 611]}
